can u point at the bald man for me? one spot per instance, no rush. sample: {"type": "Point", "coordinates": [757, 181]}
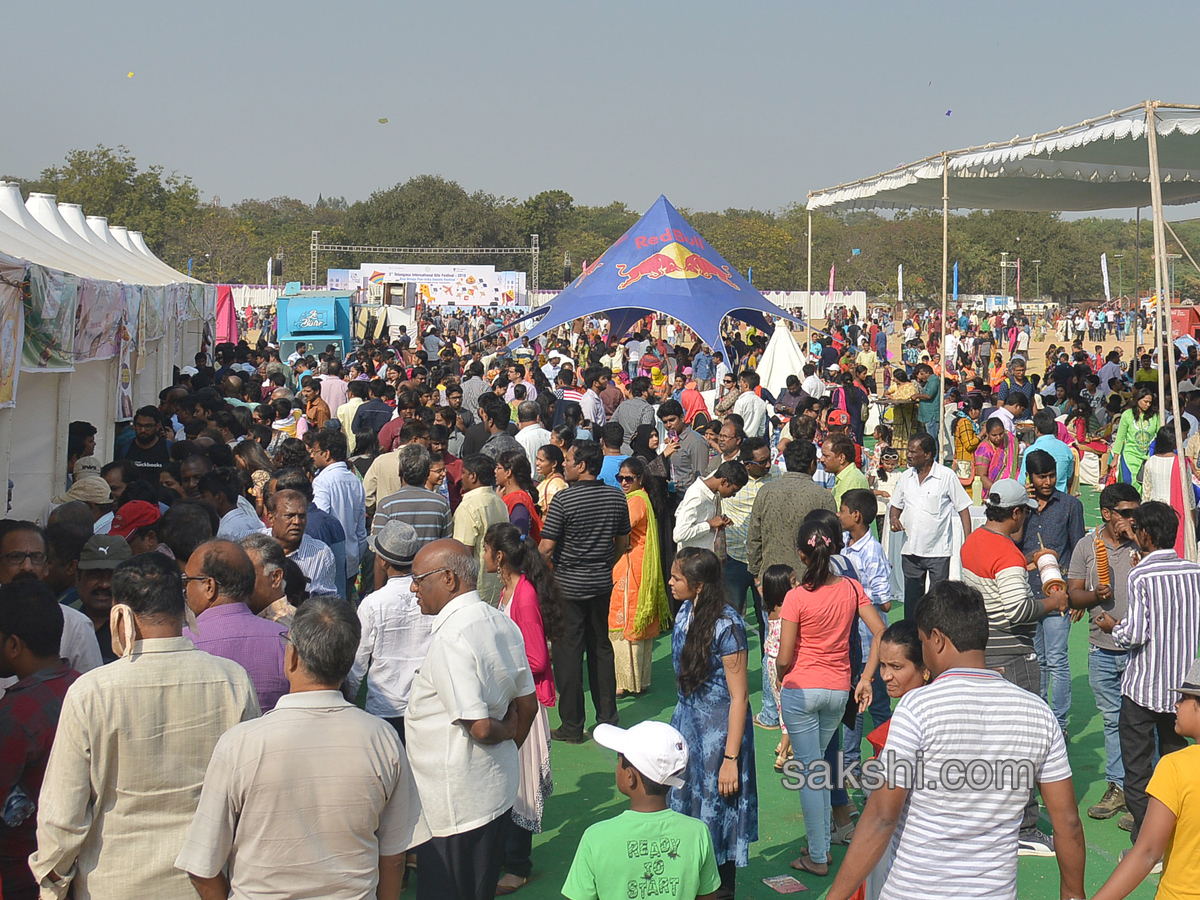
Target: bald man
{"type": "Point", "coordinates": [218, 581]}
{"type": "Point", "coordinates": [471, 705]}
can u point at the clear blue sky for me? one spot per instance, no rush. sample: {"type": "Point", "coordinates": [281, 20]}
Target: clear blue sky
{"type": "Point", "coordinates": [715, 104]}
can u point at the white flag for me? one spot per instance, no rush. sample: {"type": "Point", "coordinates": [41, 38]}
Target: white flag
{"type": "Point", "coordinates": [1104, 272]}
{"type": "Point", "coordinates": [900, 284]}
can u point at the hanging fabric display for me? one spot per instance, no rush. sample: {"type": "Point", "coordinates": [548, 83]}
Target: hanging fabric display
{"type": "Point", "coordinates": [50, 321]}
{"type": "Point", "coordinates": [12, 329]}
{"type": "Point", "coordinates": [98, 320]}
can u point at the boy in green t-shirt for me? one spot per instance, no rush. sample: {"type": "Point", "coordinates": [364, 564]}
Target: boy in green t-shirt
{"type": "Point", "coordinates": [649, 850]}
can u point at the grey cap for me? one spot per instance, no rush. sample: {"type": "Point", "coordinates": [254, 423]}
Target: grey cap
{"type": "Point", "coordinates": [104, 551]}
{"type": "Point", "coordinates": [1007, 493]}
{"type": "Point", "coordinates": [396, 543]}
{"type": "Point", "coordinates": [1191, 681]}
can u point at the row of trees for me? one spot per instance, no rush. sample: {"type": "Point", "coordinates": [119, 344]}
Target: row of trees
{"type": "Point", "coordinates": [231, 244]}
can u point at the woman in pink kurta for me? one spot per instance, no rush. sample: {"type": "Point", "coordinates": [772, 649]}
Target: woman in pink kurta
{"type": "Point", "coordinates": [530, 598]}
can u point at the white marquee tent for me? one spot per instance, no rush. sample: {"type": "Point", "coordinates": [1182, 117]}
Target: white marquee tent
{"type": "Point", "coordinates": [131, 318]}
{"type": "Point", "coordinates": [1144, 155]}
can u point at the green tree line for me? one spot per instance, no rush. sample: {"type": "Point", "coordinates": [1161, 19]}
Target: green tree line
{"type": "Point", "coordinates": [231, 244]}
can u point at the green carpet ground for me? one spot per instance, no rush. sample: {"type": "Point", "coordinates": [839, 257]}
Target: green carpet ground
{"type": "Point", "coordinates": [585, 791]}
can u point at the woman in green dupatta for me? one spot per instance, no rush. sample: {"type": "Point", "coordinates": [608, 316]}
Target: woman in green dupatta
{"type": "Point", "coordinates": [639, 599]}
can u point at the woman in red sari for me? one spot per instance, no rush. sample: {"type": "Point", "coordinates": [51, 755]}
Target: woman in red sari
{"type": "Point", "coordinates": [514, 484]}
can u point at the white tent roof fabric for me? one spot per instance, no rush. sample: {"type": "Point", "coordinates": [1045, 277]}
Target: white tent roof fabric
{"type": "Point", "coordinates": [781, 359]}
{"type": "Point", "coordinates": [59, 237]}
{"type": "Point", "coordinates": [1098, 164]}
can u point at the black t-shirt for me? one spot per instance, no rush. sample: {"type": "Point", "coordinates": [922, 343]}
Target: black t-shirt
{"type": "Point", "coordinates": [149, 460]}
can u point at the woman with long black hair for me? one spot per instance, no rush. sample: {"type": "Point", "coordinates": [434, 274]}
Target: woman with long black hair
{"type": "Point", "coordinates": [530, 598]}
{"type": "Point", "coordinates": [709, 651]}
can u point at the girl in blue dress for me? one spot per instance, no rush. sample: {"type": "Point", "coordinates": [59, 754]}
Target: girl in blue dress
{"type": "Point", "coordinates": [708, 648]}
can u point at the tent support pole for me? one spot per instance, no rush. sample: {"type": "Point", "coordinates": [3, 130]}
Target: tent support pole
{"type": "Point", "coordinates": [1166, 353]}
{"type": "Point", "coordinates": [808, 287]}
{"type": "Point", "coordinates": [945, 263]}
{"type": "Point", "coordinates": [1171, 230]}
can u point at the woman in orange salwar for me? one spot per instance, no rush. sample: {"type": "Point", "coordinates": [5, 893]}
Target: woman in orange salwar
{"type": "Point", "coordinates": [638, 607]}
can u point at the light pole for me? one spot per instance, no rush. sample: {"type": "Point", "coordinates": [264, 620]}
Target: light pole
{"type": "Point", "coordinates": [1120, 277]}
{"type": "Point", "coordinates": [1037, 276]}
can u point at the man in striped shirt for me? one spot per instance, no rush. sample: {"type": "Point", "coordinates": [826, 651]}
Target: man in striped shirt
{"type": "Point", "coordinates": [428, 512]}
{"type": "Point", "coordinates": [994, 566]}
{"type": "Point", "coordinates": [1161, 630]}
{"type": "Point", "coordinates": [959, 757]}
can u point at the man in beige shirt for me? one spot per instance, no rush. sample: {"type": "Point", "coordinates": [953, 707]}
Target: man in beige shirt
{"type": "Point", "coordinates": [480, 509]}
{"type": "Point", "coordinates": [269, 809]}
{"type": "Point", "coordinates": [133, 741]}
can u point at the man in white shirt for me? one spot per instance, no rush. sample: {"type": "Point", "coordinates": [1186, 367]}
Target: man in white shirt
{"type": "Point", "coordinates": [271, 814]}
{"type": "Point", "coordinates": [698, 520]}
{"type": "Point", "coordinates": [340, 493]}
{"type": "Point", "coordinates": [924, 501]}
{"type": "Point", "coordinates": [1110, 370]}
{"type": "Point", "coordinates": [532, 436]}
{"type": "Point", "coordinates": [812, 384]}
{"type": "Point", "coordinates": [220, 489]}
{"type": "Point", "coordinates": [752, 408]}
{"type": "Point", "coordinates": [595, 379]}
{"type": "Point", "coordinates": [395, 634]}
{"type": "Point", "coordinates": [967, 749]}
{"type": "Point", "coordinates": [471, 706]}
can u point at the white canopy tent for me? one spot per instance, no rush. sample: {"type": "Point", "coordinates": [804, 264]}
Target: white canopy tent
{"type": "Point", "coordinates": [781, 359]}
{"type": "Point", "coordinates": [1144, 155]}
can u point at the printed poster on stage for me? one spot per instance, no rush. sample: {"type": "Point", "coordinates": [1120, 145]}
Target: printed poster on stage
{"type": "Point", "coordinates": [50, 321]}
{"type": "Point", "coordinates": [99, 320]}
{"type": "Point", "coordinates": [12, 331]}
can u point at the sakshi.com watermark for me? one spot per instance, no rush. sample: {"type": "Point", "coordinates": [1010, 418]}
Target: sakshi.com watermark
{"type": "Point", "coordinates": [887, 770]}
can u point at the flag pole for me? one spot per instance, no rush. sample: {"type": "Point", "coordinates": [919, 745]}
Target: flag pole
{"type": "Point", "coordinates": [945, 261]}
{"type": "Point", "coordinates": [1166, 349]}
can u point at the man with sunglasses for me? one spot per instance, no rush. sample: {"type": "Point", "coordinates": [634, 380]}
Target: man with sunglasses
{"type": "Point", "coordinates": [1107, 592]}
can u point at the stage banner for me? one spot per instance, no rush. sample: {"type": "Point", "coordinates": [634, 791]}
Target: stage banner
{"type": "Point", "coordinates": [50, 321]}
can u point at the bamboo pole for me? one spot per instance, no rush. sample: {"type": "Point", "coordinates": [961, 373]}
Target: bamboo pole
{"type": "Point", "coordinates": [1166, 350]}
{"type": "Point", "coordinates": [945, 262]}
{"type": "Point", "coordinates": [1181, 246]}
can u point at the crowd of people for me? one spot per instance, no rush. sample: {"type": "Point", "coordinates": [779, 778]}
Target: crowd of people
{"type": "Point", "coordinates": [299, 632]}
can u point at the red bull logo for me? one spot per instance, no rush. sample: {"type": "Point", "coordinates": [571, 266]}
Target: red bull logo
{"type": "Point", "coordinates": [674, 261]}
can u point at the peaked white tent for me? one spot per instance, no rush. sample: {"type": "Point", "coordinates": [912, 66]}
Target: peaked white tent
{"type": "Point", "coordinates": [781, 359]}
{"type": "Point", "coordinates": [1144, 155]}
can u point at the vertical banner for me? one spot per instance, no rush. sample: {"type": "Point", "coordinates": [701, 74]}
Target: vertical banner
{"type": "Point", "coordinates": [1104, 272]}
{"type": "Point", "coordinates": [831, 268]}
{"type": "Point", "coordinates": [124, 410]}
{"type": "Point", "coordinates": [12, 330]}
{"type": "Point", "coordinates": [1018, 281]}
{"type": "Point", "coordinates": [900, 284]}
{"type": "Point", "coordinates": [956, 283]}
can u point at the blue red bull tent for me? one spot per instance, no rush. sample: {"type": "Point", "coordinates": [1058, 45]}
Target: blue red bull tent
{"type": "Point", "coordinates": [661, 265]}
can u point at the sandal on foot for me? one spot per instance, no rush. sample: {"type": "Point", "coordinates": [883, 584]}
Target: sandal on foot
{"type": "Point", "coordinates": [503, 890]}
{"type": "Point", "coordinates": [806, 863]}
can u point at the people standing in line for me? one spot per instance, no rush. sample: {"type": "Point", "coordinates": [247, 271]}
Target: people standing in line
{"type": "Point", "coordinates": [271, 820]}
{"type": "Point", "coordinates": [586, 529]}
{"type": "Point", "coordinates": [924, 502]}
{"type": "Point", "coordinates": [134, 739]}
{"type": "Point", "coordinates": [1098, 581]}
{"type": "Point", "coordinates": [968, 712]}
{"type": "Point", "coordinates": [1055, 523]}
{"type": "Point", "coordinates": [471, 706]}
{"type": "Point", "coordinates": [1161, 631]}
{"type": "Point", "coordinates": [814, 669]}
{"type": "Point", "coordinates": [639, 608]}
{"type": "Point", "coordinates": [530, 598]}
{"type": "Point", "coordinates": [709, 652]}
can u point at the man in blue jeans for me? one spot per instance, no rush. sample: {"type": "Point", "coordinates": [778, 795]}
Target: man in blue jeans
{"type": "Point", "coordinates": [1106, 661]}
{"type": "Point", "coordinates": [1055, 524]}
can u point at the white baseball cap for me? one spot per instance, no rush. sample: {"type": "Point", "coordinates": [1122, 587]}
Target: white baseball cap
{"type": "Point", "coordinates": [655, 749]}
{"type": "Point", "coordinates": [189, 370]}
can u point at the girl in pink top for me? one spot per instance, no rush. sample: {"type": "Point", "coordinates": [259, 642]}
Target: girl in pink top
{"type": "Point", "coordinates": [814, 666]}
{"type": "Point", "coordinates": [530, 597]}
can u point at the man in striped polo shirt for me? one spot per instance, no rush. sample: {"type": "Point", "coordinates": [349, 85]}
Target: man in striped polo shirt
{"type": "Point", "coordinates": [994, 565]}
{"type": "Point", "coordinates": [1161, 630]}
{"type": "Point", "coordinates": [586, 528]}
{"type": "Point", "coordinates": [428, 512]}
{"type": "Point", "coordinates": [961, 756]}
